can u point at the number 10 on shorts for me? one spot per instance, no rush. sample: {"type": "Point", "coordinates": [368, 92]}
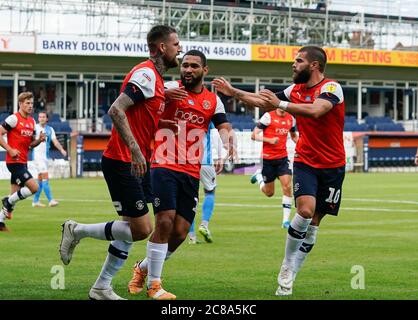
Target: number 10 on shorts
{"type": "Point", "coordinates": [334, 195]}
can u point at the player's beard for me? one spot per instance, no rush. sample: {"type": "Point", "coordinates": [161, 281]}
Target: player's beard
{"type": "Point", "coordinates": [302, 76]}
{"type": "Point", "coordinates": [190, 84]}
{"type": "Point", "coordinates": [170, 63]}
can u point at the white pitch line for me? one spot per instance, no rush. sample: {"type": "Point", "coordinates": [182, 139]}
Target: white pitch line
{"type": "Point", "coordinates": [246, 205]}
{"type": "Point", "coordinates": [344, 199]}
{"type": "Point", "coordinates": [380, 200]}
{"type": "Point", "coordinates": [341, 208]}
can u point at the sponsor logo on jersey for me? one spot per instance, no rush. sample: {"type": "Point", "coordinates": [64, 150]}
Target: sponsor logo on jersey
{"type": "Point", "coordinates": [146, 76]}
{"type": "Point", "coordinates": [308, 98]}
{"type": "Point", "coordinates": [206, 104]}
{"type": "Point", "coordinates": [282, 131]}
{"type": "Point", "coordinates": [26, 133]}
{"type": "Point", "coordinates": [191, 102]}
{"type": "Point", "coordinates": [188, 116]}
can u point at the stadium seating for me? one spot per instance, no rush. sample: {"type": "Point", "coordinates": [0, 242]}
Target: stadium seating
{"type": "Point", "coordinates": [354, 126]}
{"type": "Point", "coordinates": [391, 157]}
{"type": "Point", "coordinates": [61, 126]}
{"type": "Point", "coordinates": [107, 121]}
{"type": "Point", "coordinates": [241, 122]}
{"type": "Point", "coordinates": [3, 116]}
{"type": "Point", "coordinates": [54, 117]}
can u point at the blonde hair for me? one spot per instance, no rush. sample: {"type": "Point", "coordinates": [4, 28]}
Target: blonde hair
{"type": "Point", "coordinates": [25, 95]}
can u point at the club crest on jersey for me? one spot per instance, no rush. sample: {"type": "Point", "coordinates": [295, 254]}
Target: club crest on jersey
{"type": "Point", "coordinates": [206, 104]}
{"type": "Point", "coordinates": [308, 98]}
{"type": "Point", "coordinates": [191, 102]}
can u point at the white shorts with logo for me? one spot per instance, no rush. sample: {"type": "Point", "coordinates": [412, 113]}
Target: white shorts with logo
{"type": "Point", "coordinates": [41, 166]}
{"type": "Point", "coordinates": [208, 177]}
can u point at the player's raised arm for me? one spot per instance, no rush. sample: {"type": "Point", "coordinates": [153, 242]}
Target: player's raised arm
{"type": "Point", "coordinates": [250, 99]}
{"type": "Point", "coordinates": [117, 113]}
{"type": "Point", "coordinates": [312, 110]}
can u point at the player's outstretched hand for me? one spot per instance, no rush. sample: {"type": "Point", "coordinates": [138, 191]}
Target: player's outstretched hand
{"type": "Point", "coordinates": [64, 153]}
{"type": "Point", "coordinates": [138, 165]}
{"type": "Point", "coordinates": [270, 98]}
{"type": "Point", "coordinates": [176, 94]}
{"type": "Point", "coordinates": [169, 124]}
{"type": "Point", "coordinates": [223, 86]}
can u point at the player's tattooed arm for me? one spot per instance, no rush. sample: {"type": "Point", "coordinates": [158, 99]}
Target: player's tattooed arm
{"type": "Point", "coordinates": [117, 113]}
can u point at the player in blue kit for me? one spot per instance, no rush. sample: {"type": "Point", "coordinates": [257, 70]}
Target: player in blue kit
{"type": "Point", "coordinates": [41, 156]}
{"type": "Point", "coordinates": [210, 168]}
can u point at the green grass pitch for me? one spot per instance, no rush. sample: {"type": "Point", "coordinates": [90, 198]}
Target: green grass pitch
{"type": "Point", "coordinates": [376, 229]}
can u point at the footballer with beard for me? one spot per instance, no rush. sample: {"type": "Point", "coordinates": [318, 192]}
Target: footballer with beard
{"type": "Point", "coordinates": [175, 169]}
{"type": "Point", "coordinates": [319, 163]}
{"type": "Point", "coordinates": [135, 115]}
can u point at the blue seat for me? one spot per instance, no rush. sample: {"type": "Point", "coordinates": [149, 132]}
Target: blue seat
{"type": "Point", "coordinates": [65, 127]}
{"type": "Point", "coordinates": [55, 117]}
{"type": "Point", "coordinates": [106, 118]}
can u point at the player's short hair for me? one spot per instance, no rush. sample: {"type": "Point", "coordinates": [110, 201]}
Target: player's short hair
{"type": "Point", "coordinates": [46, 113]}
{"type": "Point", "coordinates": [197, 53]}
{"type": "Point", "coordinates": [315, 53]}
{"type": "Point", "coordinates": [24, 96]}
{"type": "Point", "coordinates": [158, 34]}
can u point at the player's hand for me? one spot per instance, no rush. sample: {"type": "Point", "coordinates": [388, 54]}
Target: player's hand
{"type": "Point", "coordinates": [138, 164]}
{"type": "Point", "coordinates": [416, 160]}
{"type": "Point", "coordinates": [274, 140]}
{"type": "Point", "coordinates": [42, 137]}
{"type": "Point", "coordinates": [176, 94]}
{"type": "Point", "coordinates": [169, 124]}
{"type": "Point", "coordinates": [64, 153]}
{"type": "Point", "coordinates": [219, 165]}
{"type": "Point", "coordinates": [270, 98]}
{"type": "Point", "coordinates": [14, 153]}
{"type": "Point", "coordinates": [223, 86]}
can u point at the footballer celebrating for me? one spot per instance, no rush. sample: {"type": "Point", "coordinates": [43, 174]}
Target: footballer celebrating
{"type": "Point", "coordinates": [319, 163]}
{"type": "Point", "coordinates": [135, 115]}
{"type": "Point", "coordinates": [275, 127]}
{"type": "Point", "coordinates": [175, 170]}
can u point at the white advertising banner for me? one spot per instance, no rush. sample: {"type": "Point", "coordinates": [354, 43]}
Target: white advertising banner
{"type": "Point", "coordinates": [19, 44]}
{"type": "Point", "coordinates": [131, 47]}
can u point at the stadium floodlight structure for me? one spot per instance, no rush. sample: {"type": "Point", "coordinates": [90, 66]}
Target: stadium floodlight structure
{"type": "Point", "coordinates": [289, 22]}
